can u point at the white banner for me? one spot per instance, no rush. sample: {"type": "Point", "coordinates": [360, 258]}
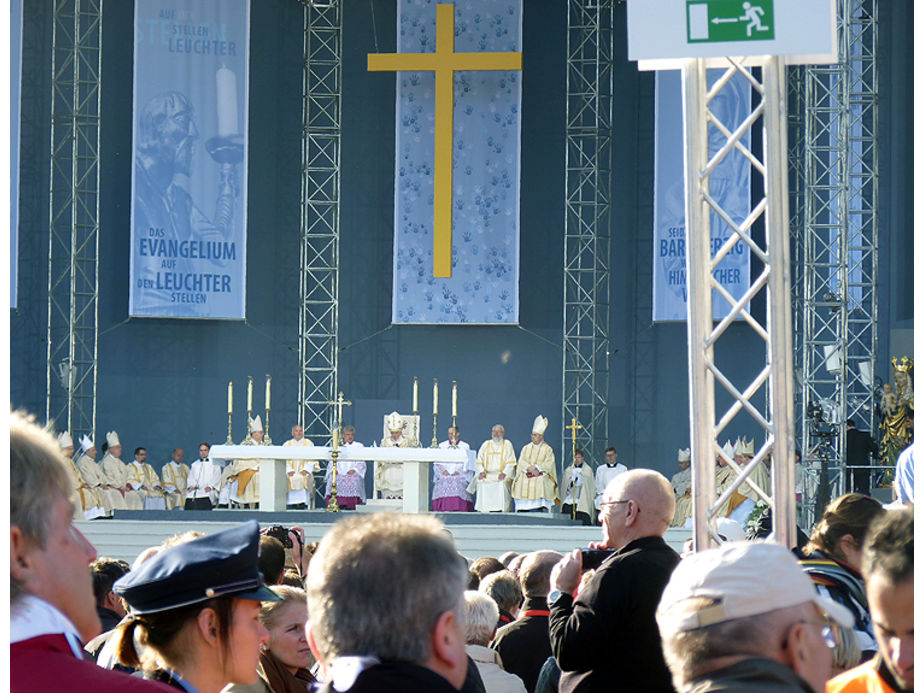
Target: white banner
{"type": "Point", "coordinates": [189, 147]}
{"type": "Point", "coordinates": [730, 185]}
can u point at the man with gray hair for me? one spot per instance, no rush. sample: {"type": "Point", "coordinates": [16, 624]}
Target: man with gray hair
{"type": "Point", "coordinates": [503, 588]}
{"type": "Point", "coordinates": [385, 598]}
{"type": "Point", "coordinates": [524, 644]}
{"type": "Point", "coordinates": [745, 617]}
{"type": "Point", "coordinates": [607, 636]}
{"type": "Point", "coordinates": [480, 625]}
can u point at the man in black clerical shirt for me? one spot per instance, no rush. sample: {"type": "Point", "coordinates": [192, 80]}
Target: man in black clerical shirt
{"type": "Point", "coordinates": [607, 637]}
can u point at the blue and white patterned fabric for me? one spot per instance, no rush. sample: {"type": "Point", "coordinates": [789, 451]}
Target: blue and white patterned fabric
{"type": "Point", "coordinates": [486, 172]}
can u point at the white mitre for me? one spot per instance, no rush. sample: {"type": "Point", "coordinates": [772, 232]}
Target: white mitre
{"type": "Point", "coordinates": [256, 424]}
{"type": "Point", "coordinates": [540, 424]}
{"type": "Point", "coordinates": [683, 455]}
{"type": "Point", "coordinates": [65, 440]}
{"type": "Point", "coordinates": [729, 450]}
{"type": "Point", "coordinates": [744, 447]}
{"type": "Point", "coordinates": [86, 443]}
{"type": "Point", "coordinates": [394, 422]}
{"type": "Point", "coordinates": [112, 439]}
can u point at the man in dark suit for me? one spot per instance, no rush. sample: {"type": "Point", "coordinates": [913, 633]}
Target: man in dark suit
{"type": "Point", "coordinates": [524, 644]}
{"type": "Point", "coordinates": [860, 445]}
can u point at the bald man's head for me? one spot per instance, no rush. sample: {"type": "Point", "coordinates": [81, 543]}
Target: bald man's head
{"type": "Point", "coordinates": [638, 503]}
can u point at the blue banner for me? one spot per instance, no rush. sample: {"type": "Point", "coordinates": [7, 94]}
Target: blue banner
{"type": "Point", "coordinates": [189, 148]}
{"type": "Point", "coordinates": [730, 185]}
{"type": "Point", "coordinates": [483, 288]}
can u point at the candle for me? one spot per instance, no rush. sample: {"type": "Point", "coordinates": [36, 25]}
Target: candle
{"type": "Point", "coordinates": [415, 394]}
{"type": "Point", "coordinates": [249, 394]}
{"type": "Point", "coordinates": [230, 397]}
{"type": "Point", "coordinates": [267, 392]}
{"type": "Point", "coordinates": [455, 395]}
{"type": "Point", "coordinates": [436, 397]}
{"type": "Point", "coordinates": [226, 96]}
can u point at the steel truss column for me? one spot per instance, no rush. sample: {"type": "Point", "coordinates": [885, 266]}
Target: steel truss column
{"type": "Point", "coordinates": [588, 192]}
{"type": "Point", "coordinates": [775, 376]}
{"type": "Point", "coordinates": [319, 282]}
{"type": "Point", "coordinates": [840, 247]}
{"type": "Point", "coordinates": [73, 248]}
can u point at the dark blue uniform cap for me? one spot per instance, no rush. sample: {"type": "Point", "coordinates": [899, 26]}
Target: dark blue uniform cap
{"type": "Point", "coordinates": [223, 564]}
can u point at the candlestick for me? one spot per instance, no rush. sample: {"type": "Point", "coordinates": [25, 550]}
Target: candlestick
{"type": "Point", "coordinates": [415, 395]}
{"type": "Point", "coordinates": [455, 392]}
{"type": "Point", "coordinates": [436, 397]}
{"type": "Point", "coordinates": [230, 397]}
{"type": "Point", "coordinates": [249, 394]}
{"type": "Point", "coordinates": [268, 391]}
{"type": "Point", "coordinates": [226, 97]}
{"type": "Point", "coordinates": [434, 443]}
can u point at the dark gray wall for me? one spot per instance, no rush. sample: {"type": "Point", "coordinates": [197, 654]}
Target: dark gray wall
{"type": "Point", "coordinates": [163, 382]}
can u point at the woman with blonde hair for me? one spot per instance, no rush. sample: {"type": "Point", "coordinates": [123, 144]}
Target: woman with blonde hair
{"type": "Point", "coordinates": [195, 612]}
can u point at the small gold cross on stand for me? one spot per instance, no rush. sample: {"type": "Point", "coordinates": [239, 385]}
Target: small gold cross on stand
{"type": "Point", "coordinates": [332, 505]}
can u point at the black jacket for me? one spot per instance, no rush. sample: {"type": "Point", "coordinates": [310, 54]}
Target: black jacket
{"type": "Point", "coordinates": [524, 644]}
{"type": "Point", "coordinates": [396, 677]}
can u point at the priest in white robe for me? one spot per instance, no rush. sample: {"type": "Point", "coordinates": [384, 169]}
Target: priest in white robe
{"type": "Point", "coordinates": [351, 475]}
{"type": "Point", "coordinates": [115, 471]}
{"type": "Point", "coordinates": [451, 479]}
{"type": "Point", "coordinates": [578, 490]}
{"type": "Point", "coordinates": [494, 470]}
{"type": "Point", "coordinates": [535, 486]}
{"type": "Point", "coordinates": [175, 474]}
{"type": "Point", "coordinates": [606, 473]}
{"type": "Point", "coordinates": [91, 503]}
{"type": "Point", "coordinates": [300, 473]}
{"type": "Point", "coordinates": [389, 476]}
{"type": "Point", "coordinates": [204, 481]}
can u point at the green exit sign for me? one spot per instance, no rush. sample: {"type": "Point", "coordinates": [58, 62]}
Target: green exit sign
{"type": "Point", "coordinates": [717, 21]}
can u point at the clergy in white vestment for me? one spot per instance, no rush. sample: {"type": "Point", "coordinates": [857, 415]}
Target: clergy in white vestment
{"type": "Point", "coordinates": [351, 475]}
{"type": "Point", "coordinates": [91, 504]}
{"type": "Point", "coordinates": [451, 479]}
{"type": "Point", "coordinates": [389, 476]}
{"type": "Point", "coordinates": [143, 479]}
{"type": "Point", "coordinates": [744, 499]}
{"type": "Point", "coordinates": [94, 478]}
{"type": "Point", "coordinates": [578, 491]}
{"type": "Point", "coordinates": [175, 474]}
{"type": "Point", "coordinates": [606, 473]}
{"type": "Point", "coordinates": [115, 471]}
{"type": "Point", "coordinates": [682, 482]}
{"type": "Point", "coordinates": [493, 473]}
{"type": "Point", "coordinates": [535, 486]}
{"type": "Point", "coordinates": [300, 473]}
{"type": "Point", "coordinates": [204, 481]}
{"type": "Point", "coordinates": [243, 476]}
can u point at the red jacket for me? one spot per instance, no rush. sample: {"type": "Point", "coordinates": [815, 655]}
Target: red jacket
{"type": "Point", "coordinates": [47, 663]}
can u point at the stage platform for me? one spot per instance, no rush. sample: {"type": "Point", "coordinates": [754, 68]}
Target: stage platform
{"type": "Point", "coordinates": [476, 534]}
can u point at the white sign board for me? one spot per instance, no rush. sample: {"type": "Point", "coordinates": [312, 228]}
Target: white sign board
{"type": "Point", "coordinates": [664, 33]}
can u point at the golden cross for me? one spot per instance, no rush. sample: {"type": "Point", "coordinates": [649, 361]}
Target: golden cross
{"type": "Point", "coordinates": [340, 403]}
{"type": "Point", "coordinates": [574, 429]}
{"type": "Point", "coordinates": [444, 62]}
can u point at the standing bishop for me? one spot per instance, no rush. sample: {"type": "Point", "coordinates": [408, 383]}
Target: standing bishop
{"type": "Point", "coordinates": [91, 504]}
{"type": "Point", "coordinates": [300, 473]}
{"type": "Point", "coordinates": [389, 476]}
{"type": "Point", "coordinates": [115, 473]}
{"type": "Point", "coordinates": [536, 484]}
{"type": "Point", "coordinates": [175, 474]}
{"type": "Point", "coordinates": [682, 483]}
{"type": "Point", "coordinates": [94, 479]}
{"type": "Point", "coordinates": [493, 470]}
{"type": "Point", "coordinates": [143, 479]}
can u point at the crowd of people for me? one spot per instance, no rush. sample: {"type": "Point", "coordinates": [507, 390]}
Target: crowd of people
{"type": "Point", "coordinates": [386, 602]}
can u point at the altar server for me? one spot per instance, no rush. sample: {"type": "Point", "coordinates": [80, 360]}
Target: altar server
{"type": "Point", "coordinates": [300, 473]}
{"type": "Point", "coordinates": [351, 475]}
{"type": "Point", "coordinates": [606, 473]}
{"type": "Point", "coordinates": [204, 481]}
{"type": "Point", "coordinates": [495, 466]}
{"type": "Point", "coordinates": [451, 479]}
{"type": "Point", "coordinates": [175, 474]}
{"type": "Point", "coordinates": [577, 483]}
{"type": "Point", "coordinates": [535, 486]}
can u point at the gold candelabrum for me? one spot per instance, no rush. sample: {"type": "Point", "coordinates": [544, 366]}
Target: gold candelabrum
{"type": "Point", "coordinates": [332, 505]}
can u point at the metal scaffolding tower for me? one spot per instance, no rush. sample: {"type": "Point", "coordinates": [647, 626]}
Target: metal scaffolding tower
{"type": "Point", "coordinates": [774, 379]}
{"type": "Point", "coordinates": [73, 247]}
{"type": "Point", "coordinates": [588, 192]}
{"type": "Point", "coordinates": [319, 281]}
{"type": "Point", "coordinates": [838, 252]}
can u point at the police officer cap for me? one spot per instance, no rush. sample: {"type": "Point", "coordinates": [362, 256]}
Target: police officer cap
{"type": "Point", "coordinates": [223, 564]}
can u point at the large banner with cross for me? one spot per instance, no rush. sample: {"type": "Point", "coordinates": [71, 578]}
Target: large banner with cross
{"type": "Point", "coordinates": [457, 161]}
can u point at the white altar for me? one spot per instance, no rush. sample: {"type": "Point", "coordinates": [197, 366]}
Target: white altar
{"type": "Point", "coordinates": [274, 484]}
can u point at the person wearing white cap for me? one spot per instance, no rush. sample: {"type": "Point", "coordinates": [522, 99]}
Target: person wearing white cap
{"type": "Point", "coordinates": [300, 473]}
{"type": "Point", "coordinates": [91, 505]}
{"type": "Point", "coordinates": [242, 477]}
{"type": "Point", "coordinates": [606, 473]}
{"type": "Point", "coordinates": [535, 486]}
{"type": "Point", "coordinates": [94, 478]}
{"type": "Point", "coordinates": [494, 467]}
{"type": "Point", "coordinates": [389, 476]}
{"type": "Point", "coordinates": [745, 617]}
{"type": "Point", "coordinates": [682, 482]}
{"type": "Point", "coordinates": [116, 474]}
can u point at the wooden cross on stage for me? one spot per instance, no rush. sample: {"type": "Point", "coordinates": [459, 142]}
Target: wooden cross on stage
{"type": "Point", "coordinates": [444, 62]}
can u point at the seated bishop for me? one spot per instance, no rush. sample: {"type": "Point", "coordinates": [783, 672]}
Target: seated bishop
{"type": "Point", "coordinates": [389, 476]}
{"type": "Point", "coordinates": [91, 503]}
{"type": "Point", "coordinates": [175, 474]}
{"type": "Point", "coordinates": [494, 470]}
{"type": "Point", "coordinates": [682, 482]}
{"type": "Point", "coordinates": [451, 479]}
{"type": "Point", "coordinates": [535, 486]}
{"type": "Point", "coordinates": [242, 477]}
{"type": "Point", "coordinates": [300, 473]}
{"type": "Point", "coordinates": [93, 477]}
{"type": "Point", "coordinates": [115, 473]}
